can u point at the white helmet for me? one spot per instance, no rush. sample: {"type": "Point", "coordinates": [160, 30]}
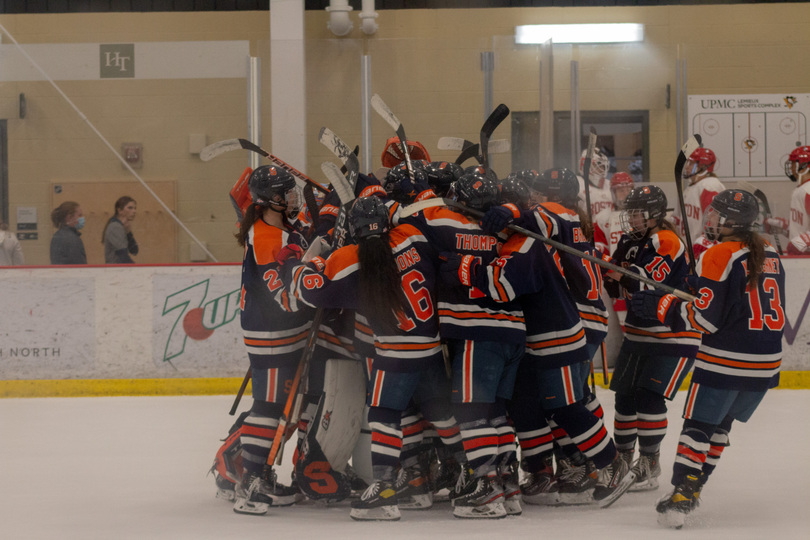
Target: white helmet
{"type": "Point", "coordinates": [600, 165]}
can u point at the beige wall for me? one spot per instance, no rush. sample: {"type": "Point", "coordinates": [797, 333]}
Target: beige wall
{"type": "Point", "coordinates": [425, 65]}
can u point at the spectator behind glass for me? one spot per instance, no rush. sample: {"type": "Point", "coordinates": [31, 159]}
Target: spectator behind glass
{"type": "Point", "coordinates": [117, 237]}
{"type": "Point", "coordinates": [66, 245]}
{"type": "Point", "coordinates": [10, 249]}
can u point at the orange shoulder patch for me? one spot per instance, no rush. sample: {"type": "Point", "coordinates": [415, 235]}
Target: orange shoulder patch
{"type": "Point", "coordinates": [340, 260]}
{"type": "Point", "coordinates": [713, 262]}
{"type": "Point", "coordinates": [669, 244]}
{"type": "Point", "coordinates": [267, 241]}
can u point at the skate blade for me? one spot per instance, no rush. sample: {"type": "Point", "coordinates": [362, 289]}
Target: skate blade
{"type": "Point", "coordinates": [416, 502]}
{"type": "Point", "coordinates": [380, 513]}
{"type": "Point", "coordinates": [646, 485]}
{"type": "Point", "coordinates": [493, 510]}
{"type": "Point", "coordinates": [672, 519]}
{"type": "Point", "coordinates": [543, 499]}
{"type": "Point", "coordinates": [575, 499]}
{"type": "Point", "coordinates": [250, 508]}
{"type": "Point", "coordinates": [620, 490]}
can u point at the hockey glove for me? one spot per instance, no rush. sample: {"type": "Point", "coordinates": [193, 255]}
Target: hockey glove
{"type": "Point", "coordinates": [690, 282]}
{"type": "Point", "coordinates": [290, 251]}
{"type": "Point", "coordinates": [458, 269]}
{"type": "Point", "coordinates": [498, 218]}
{"type": "Point", "coordinates": [655, 305]}
{"type": "Point", "coordinates": [775, 225]}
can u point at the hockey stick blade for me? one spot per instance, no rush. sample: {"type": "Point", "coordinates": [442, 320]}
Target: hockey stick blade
{"type": "Point", "coordinates": [692, 144]}
{"type": "Point", "coordinates": [213, 150]}
{"type": "Point", "coordinates": [388, 115]}
{"type": "Point", "coordinates": [467, 153]}
{"type": "Point", "coordinates": [490, 124]}
{"type": "Point", "coordinates": [338, 181]}
{"type": "Point", "coordinates": [335, 144]}
{"type": "Point", "coordinates": [498, 146]}
{"type": "Point", "coordinates": [586, 170]}
{"type": "Point", "coordinates": [415, 208]}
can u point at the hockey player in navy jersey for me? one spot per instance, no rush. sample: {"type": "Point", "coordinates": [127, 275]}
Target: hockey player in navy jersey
{"type": "Point", "coordinates": [274, 338]}
{"type": "Point", "coordinates": [485, 340]}
{"type": "Point", "coordinates": [576, 411]}
{"type": "Point", "coordinates": [389, 277]}
{"type": "Point", "coordinates": [653, 360]}
{"type": "Point", "coordinates": [740, 313]}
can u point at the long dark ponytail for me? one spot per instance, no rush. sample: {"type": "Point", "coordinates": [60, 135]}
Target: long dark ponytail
{"type": "Point", "coordinates": [756, 256]}
{"type": "Point", "coordinates": [252, 213]}
{"type": "Point", "coordinates": [380, 294]}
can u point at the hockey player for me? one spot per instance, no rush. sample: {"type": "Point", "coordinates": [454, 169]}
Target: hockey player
{"type": "Point", "coordinates": [653, 360]}
{"type": "Point", "coordinates": [600, 193]}
{"type": "Point", "coordinates": [741, 315]}
{"type": "Point", "coordinates": [389, 276]}
{"type": "Point", "coordinates": [797, 168]}
{"type": "Point", "coordinates": [607, 228]}
{"type": "Point", "coordinates": [485, 341]}
{"type": "Point", "coordinates": [580, 416]}
{"type": "Point", "coordinates": [274, 339]}
{"type": "Point", "coordinates": [441, 175]}
{"type": "Point", "coordinates": [698, 195]}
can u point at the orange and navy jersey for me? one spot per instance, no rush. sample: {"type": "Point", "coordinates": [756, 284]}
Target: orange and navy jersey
{"type": "Point", "coordinates": [662, 257]}
{"type": "Point", "coordinates": [464, 313]}
{"type": "Point", "coordinates": [334, 283]}
{"type": "Point", "coordinates": [270, 333]}
{"type": "Point", "coordinates": [584, 278]}
{"type": "Point", "coordinates": [742, 328]}
{"type": "Point", "coordinates": [526, 271]}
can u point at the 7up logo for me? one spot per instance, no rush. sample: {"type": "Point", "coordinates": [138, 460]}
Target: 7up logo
{"type": "Point", "coordinates": [195, 318]}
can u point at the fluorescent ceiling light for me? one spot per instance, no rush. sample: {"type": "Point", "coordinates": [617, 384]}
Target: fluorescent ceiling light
{"type": "Point", "coordinates": [579, 33]}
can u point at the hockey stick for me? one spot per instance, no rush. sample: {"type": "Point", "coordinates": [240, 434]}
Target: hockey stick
{"type": "Point", "coordinates": [240, 392]}
{"type": "Point", "coordinates": [493, 121]}
{"type": "Point", "coordinates": [388, 115]}
{"type": "Point", "coordinates": [339, 148]}
{"type": "Point", "coordinates": [498, 146]}
{"type": "Point", "coordinates": [213, 150]}
{"type": "Point", "coordinates": [467, 153]}
{"type": "Point", "coordinates": [605, 378]}
{"type": "Point", "coordinates": [586, 171]}
{"type": "Point", "coordinates": [686, 150]}
{"type": "Point", "coordinates": [568, 249]}
{"type": "Point", "coordinates": [758, 193]}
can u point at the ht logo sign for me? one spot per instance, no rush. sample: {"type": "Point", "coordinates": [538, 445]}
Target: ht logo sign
{"type": "Point", "coordinates": [195, 318]}
{"type": "Point", "coordinates": [117, 61]}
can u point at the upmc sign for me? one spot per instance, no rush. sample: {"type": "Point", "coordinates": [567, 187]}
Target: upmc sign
{"type": "Point", "coordinates": [117, 61]}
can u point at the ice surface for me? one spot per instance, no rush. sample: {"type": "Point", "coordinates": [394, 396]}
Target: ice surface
{"type": "Point", "coordinates": [135, 467]}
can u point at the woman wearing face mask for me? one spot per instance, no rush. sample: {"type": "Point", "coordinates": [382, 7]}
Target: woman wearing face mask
{"type": "Point", "coordinates": [119, 243]}
{"type": "Point", "coordinates": [66, 245]}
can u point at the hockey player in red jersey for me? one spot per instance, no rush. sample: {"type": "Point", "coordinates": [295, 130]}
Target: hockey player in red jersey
{"type": "Point", "coordinates": [600, 192]}
{"type": "Point", "coordinates": [389, 277]}
{"type": "Point", "coordinates": [274, 339]}
{"type": "Point", "coordinates": [485, 340]}
{"type": "Point", "coordinates": [607, 228]}
{"type": "Point", "coordinates": [653, 360]}
{"type": "Point", "coordinates": [740, 313]}
{"type": "Point", "coordinates": [797, 168]}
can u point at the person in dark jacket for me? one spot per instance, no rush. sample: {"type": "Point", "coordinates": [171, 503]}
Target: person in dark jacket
{"type": "Point", "coordinates": [66, 245]}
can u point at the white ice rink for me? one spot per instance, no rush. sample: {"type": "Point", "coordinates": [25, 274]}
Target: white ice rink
{"type": "Point", "coordinates": [135, 467]}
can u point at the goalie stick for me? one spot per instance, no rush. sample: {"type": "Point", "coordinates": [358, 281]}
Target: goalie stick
{"type": "Point", "coordinates": [586, 172]}
{"type": "Point", "coordinates": [493, 121]}
{"type": "Point", "coordinates": [688, 147]}
{"type": "Point", "coordinates": [470, 149]}
{"type": "Point", "coordinates": [387, 114]}
{"type": "Point", "coordinates": [759, 194]}
{"type": "Point", "coordinates": [213, 150]}
{"type": "Point", "coordinates": [421, 205]}
{"type": "Point", "coordinates": [294, 398]}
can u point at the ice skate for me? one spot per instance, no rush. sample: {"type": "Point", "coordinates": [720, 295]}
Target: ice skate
{"type": "Point", "coordinates": [226, 490]}
{"type": "Point", "coordinates": [413, 491]}
{"type": "Point", "coordinates": [673, 508]}
{"type": "Point", "coordinates": [256, 493]}
{"type": "Point", "coordinates": [512, 496]}
{"type": "Point", "coordinates": [647, 470]}
{"type": "Point", "coordinates": [613, 482]}
{"type": "Point", "coordinates": [576, 482]}
{"type": "Point", "coordinates": [477, 498]}
{"type": "Point", "coordinates": [378, 503]}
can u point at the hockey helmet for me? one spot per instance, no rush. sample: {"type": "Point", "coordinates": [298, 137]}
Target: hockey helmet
{"type": "Point", "coordinates": [475, 191]}
{"type": "Point", "coordinates": [441, 174]}
{"type": "Point", "coordinates": [735, 209]}
{"type": "Point", "coordinates": [797, 163]}
{"type": "Point", "coordinates": [701, 160]}
{"type": "Point", "coordinates": [393, 156]}
{"type": "Point", "coordinates": [560, 186]}
{"type": "Point", "coordinates": [398, 184]}
{"type": "Point", "coordinates": [644, 208]}
{"type": "Point", "coordinates": [480, 169]}
{"type": "Point", "coordinates": [273, 187]}
{"type": "Point", "coordinates": [368, 217]}
{"type": "Point", "coordinates": [621, 184]}
{"type": "Point", "coordinates": [515, 191]}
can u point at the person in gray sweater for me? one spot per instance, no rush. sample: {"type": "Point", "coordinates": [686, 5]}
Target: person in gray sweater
{"type": "Point", "coordinates": [66, 245]}
{"type": "Point", "coordinates": [119, 243]}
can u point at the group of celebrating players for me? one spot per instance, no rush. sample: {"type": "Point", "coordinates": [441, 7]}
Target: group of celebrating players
{"type": "Point", "coordinates": [476, 328]}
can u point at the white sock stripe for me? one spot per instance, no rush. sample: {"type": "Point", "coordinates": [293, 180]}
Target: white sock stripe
{"type": "Point", "coordinates": [387, 429]}
{"type": "Point", "coordinates": [261, 421]}
{"type": "Point", "coordinates": [444, 424]}
{"type": "Point", "coordinates": [385, 450]}
{"type": "Point", "coordinates": [534, 434]}
{"type": "Point", "coordinates": [594, 450]}
{"type": "Point", "coordinates": [652, 417]}
{"type": "Point", "coordinates": [255, 441]}
{"type": "Point", "coordinates": [625, 417]}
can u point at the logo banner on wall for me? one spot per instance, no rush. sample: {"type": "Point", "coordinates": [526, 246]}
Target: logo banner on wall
{"type": "Point", "coordinates": [48, 327]}
{"type": "Point", "coordinates": [751, 134]}
{"type": "Point", "coordinates": [196, 322]}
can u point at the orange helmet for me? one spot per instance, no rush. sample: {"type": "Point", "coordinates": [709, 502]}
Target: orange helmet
{"type": "Point", "coordinates": [393, 156]}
